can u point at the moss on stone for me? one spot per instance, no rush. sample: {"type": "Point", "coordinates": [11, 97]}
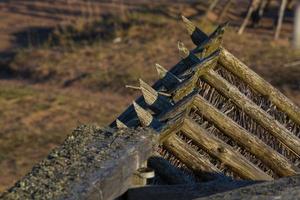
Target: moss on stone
{"type": "Point", "coordinates": [67, 169]}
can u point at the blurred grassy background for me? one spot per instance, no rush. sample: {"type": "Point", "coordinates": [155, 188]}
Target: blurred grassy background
{"type": "Point", "coordinates": [64, 63]}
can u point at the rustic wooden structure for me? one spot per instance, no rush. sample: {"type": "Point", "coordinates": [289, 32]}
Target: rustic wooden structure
{"type": "Point", "coordinates": [213, 119]}
{"type": "Point", "coordinates": [219, 116]}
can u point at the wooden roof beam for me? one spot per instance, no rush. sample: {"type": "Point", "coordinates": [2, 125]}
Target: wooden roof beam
{"type": "Point", "coordinates": [191, 158]}
{"type": "Point", "coordinates": [274, 160]}
{"type": "Point", "coordinates": [239, 69]}
{"type": "Point", "coordinates": [291, 141]}
{"type": "Point", "coordinates": [225, 153]}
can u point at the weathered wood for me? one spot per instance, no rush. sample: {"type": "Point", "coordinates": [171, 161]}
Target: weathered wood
{"type": "Point", "coordinates": [144, 116]}
{"type": "Point", "coordinates": [169, 80]}
{"type": "Point", "coordinates": [191, 158]}
{"type": "Point", "coordinates": [189, 85]}
{"type": "Point", "coordinates": [91, 164]}
{"type": "Point", "coordinates": [225, 153]}
{"type": "Point", "coordinates": [196, 34]}
{"type": "Point", "coordinates": [275, 161]}
{"type": "Point", "coordinates": [212, 44]}
{"type": "Point", "coordinates": [240, 70]}
{"type": "Point", "coordinates": [290, 140]}
{"type": "Point", "coordinates": [183, 51]}
{"type": "Point", "coordinates": [156, 101]}
{"type": "Point", "coordinates": [171, 127]}
{"type": "Point", "coordinates": [149, 94]}
{"type": "Point", "coordinates": [120, 124]}
{"type": "Point", "coordinates": [139, 177]}
{"type": "Point", "coordinates": [184, 89]}
{"type": "Point", "coordinates": [280, 18]}
{"type": "Point", "coordinates": [185, 192]}
{"type": "Point", "coordinates": [188, 59]}
{"type": "Point", "coordinates": [168, 172]}
{"type": "Point", "coordinates": [180, 107]}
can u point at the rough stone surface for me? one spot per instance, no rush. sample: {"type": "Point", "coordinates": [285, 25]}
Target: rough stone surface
{"type": "Point", "coordinates": [70, 171]}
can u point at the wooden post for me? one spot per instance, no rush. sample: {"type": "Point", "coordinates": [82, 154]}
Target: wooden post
{"type": "Point", "coordinates": [296, 37]}
{"type": "Point", "coordinates": [274, 160]}
{"type": "Point", "coordinates": [280, 18]}
{"type": "Point", "coordinates": [252, 7]}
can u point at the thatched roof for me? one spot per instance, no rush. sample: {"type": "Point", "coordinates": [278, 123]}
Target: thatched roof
{"type": "Point", "coordinates": [227, 118]}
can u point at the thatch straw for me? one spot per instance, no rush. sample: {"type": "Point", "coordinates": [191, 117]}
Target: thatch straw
{"type": "Point", "coordinates": [177, 163]}
{"type": "Point", "coordinates": [261, 101]}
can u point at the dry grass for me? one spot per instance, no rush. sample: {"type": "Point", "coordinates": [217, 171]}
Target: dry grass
{"type": "Point", "coordinates": [34, 119]}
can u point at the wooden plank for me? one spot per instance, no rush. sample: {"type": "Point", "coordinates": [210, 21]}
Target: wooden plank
{"type": "Point", "coordinates": [290, 140]}
{"type": "Point", "coordinates": [191, 158]}
{"type": "Point", "coordinates": [225, 153]}
{"type": "Point", "coordinates": [239, 69]}
{"type": "Point", "coordinates": [277, 162]}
